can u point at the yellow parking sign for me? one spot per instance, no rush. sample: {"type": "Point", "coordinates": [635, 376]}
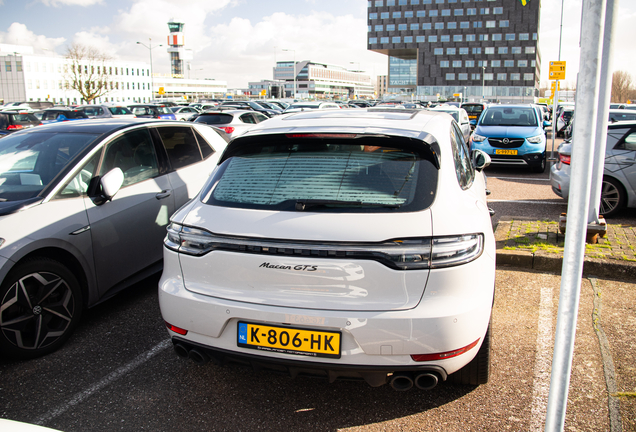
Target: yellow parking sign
{"type": "Point", "coordinates": [557, 70]}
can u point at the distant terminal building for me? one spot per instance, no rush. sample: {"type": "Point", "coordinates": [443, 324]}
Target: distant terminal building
{"type": "Point", "coordinates": [29, 77]}
{"type": "Point", "coordinates": [480, 48]}
{"type": "Point", "coordinates": [316, 81]}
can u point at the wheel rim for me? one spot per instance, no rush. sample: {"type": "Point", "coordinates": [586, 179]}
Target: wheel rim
{"type": "Point", "coordinates": [36, 310]}
{"type": "Point", "coordinates": [610, 198]}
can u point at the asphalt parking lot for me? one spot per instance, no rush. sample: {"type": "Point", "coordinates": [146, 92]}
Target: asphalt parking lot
{"type": "Point", "coordinates": [119, 372]}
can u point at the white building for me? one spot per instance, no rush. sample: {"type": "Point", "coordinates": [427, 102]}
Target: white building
{"type": "Point", "coordinates": [188, 89]}
{"type": "Point", "coordinates": [25, 76]}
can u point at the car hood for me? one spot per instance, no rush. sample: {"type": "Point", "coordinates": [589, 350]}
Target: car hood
{"type": "Point", "coordinates": [508, 131]}
{"type": "Point", "coordinates": [8, 207]}
{"type": "Point", "coordinates": [309, 277]}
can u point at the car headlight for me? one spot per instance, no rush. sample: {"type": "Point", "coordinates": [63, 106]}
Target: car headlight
{"type": "Point", "coordinates": [478, 138]}
{"type": "Point", "coordinates": [535, 139]}
{"type": "Point", "coordinates": [402, 254]}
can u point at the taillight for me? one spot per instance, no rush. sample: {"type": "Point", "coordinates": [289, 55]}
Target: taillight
{"type": "Point", "coordinates": [14, 127]}
{"type": "Point", "coordinates": [176, 329]}
{"type": "Point", "coordinates": [443, 355]}
{"type": "Point", "coordinates": [228, 129]}
{"type": "Point", "coordinates": [563, 158]}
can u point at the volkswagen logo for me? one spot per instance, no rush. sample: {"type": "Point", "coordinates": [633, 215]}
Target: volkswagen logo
{"type": "Point", "coordinates": [506, 141]}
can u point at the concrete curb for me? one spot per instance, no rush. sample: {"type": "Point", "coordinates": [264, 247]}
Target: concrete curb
{"type": "Point", "coordinates": [553, 263]}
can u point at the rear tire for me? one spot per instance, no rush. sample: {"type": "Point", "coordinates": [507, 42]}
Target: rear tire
{"type": "Point", "coordinates": [478, 370]}
{"type": "Point", "coordinates": [612, 197]}
{"type": "Point", "coordinates": [40, 306]}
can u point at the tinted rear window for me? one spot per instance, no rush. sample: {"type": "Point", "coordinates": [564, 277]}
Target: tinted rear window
{"type": "Point", "coordinates": [473, 109]}
{"type": "Point", "coordinates": [119, 111]}
{"type": "Point", "coordinates": [325, 174]}
{"type": "Point", "coordinates": [74, 114]}
{"type": "Point", "coordinates": [214, 119]}
{"type": "Point", "coordinates": [25, 119]}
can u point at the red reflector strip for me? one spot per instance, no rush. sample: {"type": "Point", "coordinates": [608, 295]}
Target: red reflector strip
{"type": "Point", "coordinates": [320, 135]}
{"type": "Point", "coordinates": [444, 355]}
{"type": "Point", "coordinates": [178, 330]}
{"type": "Point", "coordinates": [564, 158]}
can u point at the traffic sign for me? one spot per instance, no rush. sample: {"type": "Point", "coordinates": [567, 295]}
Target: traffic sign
{"type": "Point", "coordinates": [161, 91]}
{"type": "Point", "coordinates": [553, 86]}
{"type": "Point", "coordinates": [557, 70]}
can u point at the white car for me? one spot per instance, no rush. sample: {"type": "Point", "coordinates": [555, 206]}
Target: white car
{"type": "Point", "coordinates": [232, 122]}
{"type": "Point", "coordinates": [345, 244]}
{"type": "Point", "coordinates": [461, 117]}
{"type": "Point", "coordinates": [84, 207]}
{"type": "Point", "coordinates": [183, 113]}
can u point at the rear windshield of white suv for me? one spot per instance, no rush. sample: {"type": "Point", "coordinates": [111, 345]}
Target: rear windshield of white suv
{"type": "Point", "coordinates": [291, 173]}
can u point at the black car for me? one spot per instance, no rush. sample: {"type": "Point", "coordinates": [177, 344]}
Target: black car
{"type": "Point", "coordinates": [12, 121]}
{"type": "Point", "coordinates": [249, 105]}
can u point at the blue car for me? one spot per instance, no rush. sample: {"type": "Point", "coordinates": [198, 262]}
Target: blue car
{"type": "Point", "coordinates": [61, 114]}
{"type": "Point", "coordinates": [512, 135]}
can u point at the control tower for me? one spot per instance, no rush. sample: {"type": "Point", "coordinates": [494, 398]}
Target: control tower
{"type": "Point", "coordinates": [176, 48]}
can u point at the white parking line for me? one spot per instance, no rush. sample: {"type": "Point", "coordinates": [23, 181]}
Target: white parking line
{"type": "Point", "coordinates": [542, 362]}
{"type": "Point", "coordinates": [527, 202]}
{"type": "Point", "coordinates": [79, 397]}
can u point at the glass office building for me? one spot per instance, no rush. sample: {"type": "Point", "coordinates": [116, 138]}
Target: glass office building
{"type": "Point", "coordinates": [480, 48]}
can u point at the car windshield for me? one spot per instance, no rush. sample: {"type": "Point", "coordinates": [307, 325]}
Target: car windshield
{"type": "Point", "coordinates": [327, 175]}
{"type": "Point", "coordinates": [623, 116]}
{"type": "Point", "coordinates": [25, 119]}
{"type": "Point", "coordinates": [508, 116]}
{"type": "Point", "coordinates": [29, 162]}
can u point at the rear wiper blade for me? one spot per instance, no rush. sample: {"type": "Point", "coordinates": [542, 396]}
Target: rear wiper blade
{"type": "Point", "coordinates": [305, 204]}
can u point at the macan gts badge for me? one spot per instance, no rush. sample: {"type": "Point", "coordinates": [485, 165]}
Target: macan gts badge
{"type": "Point", "coordinates": [353, 244]}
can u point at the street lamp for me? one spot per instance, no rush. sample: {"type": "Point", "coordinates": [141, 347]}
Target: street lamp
{"type": "Point", "coordinates": [150, 47]}
{"type": "Point", "coordinates": [355, 83]}
{"type": "Point", "coordinates": [294, 51]}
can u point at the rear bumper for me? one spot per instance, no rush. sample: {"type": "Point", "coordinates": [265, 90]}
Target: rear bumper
{"type": "Point", "coordinates": [453, 312]}
{"type": "Point", "coordinates": [560, 180]}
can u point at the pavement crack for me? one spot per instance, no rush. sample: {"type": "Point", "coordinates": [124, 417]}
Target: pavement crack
{"type": "Point", "coordinates": [616, 424]}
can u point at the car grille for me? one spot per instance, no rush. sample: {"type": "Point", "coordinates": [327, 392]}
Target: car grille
{"type": "Point", "coordinates": [506, 142]}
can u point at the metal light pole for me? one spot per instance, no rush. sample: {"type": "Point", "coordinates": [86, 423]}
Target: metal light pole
{"type": "Point", "coordinates": [483, 80]}
{"type": "Point", "coordinates": [150, 47]}
{"type": "Point", "coordinates": [354, 85]}
{"type": "Point", "coordinates": [294, 51]}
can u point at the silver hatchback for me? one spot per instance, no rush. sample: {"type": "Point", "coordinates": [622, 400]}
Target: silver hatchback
{"type": "Point", "coordinates": [83, 210]}
{"type": "Point", "coordinates": [619, 174]}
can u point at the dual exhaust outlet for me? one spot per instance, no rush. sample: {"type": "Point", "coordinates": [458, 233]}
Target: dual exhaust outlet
{"type": "Point", "coordinates": [401, 381]}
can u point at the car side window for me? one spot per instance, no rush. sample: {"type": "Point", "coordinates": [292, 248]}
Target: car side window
{"type": "Point", "coordinates": [78, 185]}
{"type": "Point", "coordinates": [206, 148]}
{"type": "Point", "coordinates": [4, 121]}
{"type": "Point", "coordinates": [247, 118]}
{"type": "Point", "coordinates": [180, 145]}
{"type": "Point", "coordinates": [139, 111]}
{"type": "Point", "coordinates": [260, 117]}
{"type": "Point", "coordinates": [463, 166]}
{"type": "Point", "coordinates": [629, 143]}
{"type": "Point", "coordinates": [134, 154]}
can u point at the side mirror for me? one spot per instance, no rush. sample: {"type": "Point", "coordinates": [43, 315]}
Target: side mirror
{"type": "Point", "coordinates": [480, 159]}
{"type": "Point", "coordinates": [111, 182]}
{"type": "Point", "coordinates": [546, 123]}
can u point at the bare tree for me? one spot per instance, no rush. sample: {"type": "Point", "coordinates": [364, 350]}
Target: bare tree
{"type": "Point", "coordinates": [87, 71]}
{"type": "Point", "coordinates": [621, 86]}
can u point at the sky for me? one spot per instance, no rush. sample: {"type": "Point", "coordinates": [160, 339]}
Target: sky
{"type": "Point", "coordinates": [238, 41]}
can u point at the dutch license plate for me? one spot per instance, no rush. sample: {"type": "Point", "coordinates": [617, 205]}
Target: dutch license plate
{"type": "Point", "coordinates": [289, 340]}
{"type": "Point", "coordinates": [506, 152]}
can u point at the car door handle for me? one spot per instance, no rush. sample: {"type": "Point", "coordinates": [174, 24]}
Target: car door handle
{"type": "Point", "coordinates": [163, 194]}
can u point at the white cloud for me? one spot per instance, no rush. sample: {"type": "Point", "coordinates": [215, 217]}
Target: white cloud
{"type": "Point", "coordinates": [85, 3]}
{"type": "Point", "coordinates": [241, 51]}
{"type": "Point", "coordinates": [19, 34]}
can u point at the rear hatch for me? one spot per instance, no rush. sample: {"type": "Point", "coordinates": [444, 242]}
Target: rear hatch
{"type": "Point", "coordinates": [314, 221]}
